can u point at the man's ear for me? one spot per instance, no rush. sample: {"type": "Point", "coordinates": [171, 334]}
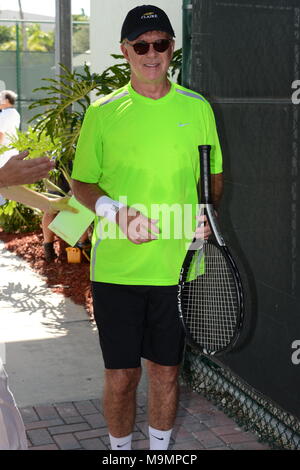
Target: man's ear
{"type": "Point", "coordinates": [124, 51]}
{"type": "Point", "coordinates": [173, 46]}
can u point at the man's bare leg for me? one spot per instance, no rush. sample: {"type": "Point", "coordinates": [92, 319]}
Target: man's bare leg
{"type": "Point", "coordinates": [163, 395]}
{"type": "Point", "coordinates": [120, 400]}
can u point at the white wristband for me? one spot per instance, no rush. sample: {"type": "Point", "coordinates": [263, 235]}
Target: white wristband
{"type": "Point", "coordinates": [108, 208]}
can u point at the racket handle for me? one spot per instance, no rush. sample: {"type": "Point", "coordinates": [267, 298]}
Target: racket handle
{"type": "Point", "coordinates": [205, 180]}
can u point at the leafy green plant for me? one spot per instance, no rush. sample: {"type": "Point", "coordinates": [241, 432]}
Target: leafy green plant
{"type": "Point", "coordinates": [36, 39]}
{"type": "Point", "coordinates": [5, 34]}
{"type": "Point", "coordinates": [34, 140]}
{"type": "Point", "coordinates": [15, 217]}
{"type": "Point", "coordinates": [67, 99]}
{"type": "Point", "coordinates": [38, 143]}
{"type": "Point", "coordinates": [81, 36]}
{"type": "Point", "coordinates": [176, 66]}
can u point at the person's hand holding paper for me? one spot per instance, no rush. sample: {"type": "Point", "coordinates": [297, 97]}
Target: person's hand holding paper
{"type": "Point", "coordinates": [61, 204]}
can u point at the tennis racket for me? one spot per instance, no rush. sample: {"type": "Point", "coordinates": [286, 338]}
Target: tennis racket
{"type": "Point", "coordinates": [210, 292]}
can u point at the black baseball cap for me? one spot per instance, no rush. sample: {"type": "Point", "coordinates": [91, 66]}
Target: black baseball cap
{"type": "Point", "coordinates": [145, 18]}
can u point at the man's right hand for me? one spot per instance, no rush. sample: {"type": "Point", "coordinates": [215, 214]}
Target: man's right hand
{"type": "Point", "coordinates": [136, 226]}
{"type": "Point", "coordinates": [18, 171]}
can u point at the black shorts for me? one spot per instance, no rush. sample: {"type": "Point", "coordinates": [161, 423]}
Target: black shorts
{"type": "Point", "coordinates": [138, 321]}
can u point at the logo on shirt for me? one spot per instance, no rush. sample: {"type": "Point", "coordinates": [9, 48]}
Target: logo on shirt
{"type": "Point", "coordinates": [183, 125]}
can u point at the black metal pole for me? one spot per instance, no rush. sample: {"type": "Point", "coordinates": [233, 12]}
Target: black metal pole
{"type": "Point", "coordinates": [63, 38]}
{"type": "Point", "coordinates": [18, 70]}
{"type": "Point", "coordinates": [187, 13]}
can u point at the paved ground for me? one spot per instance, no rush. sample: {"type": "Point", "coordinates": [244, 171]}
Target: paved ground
{"type": "Point", "coordinates": [52, 349]}
{"type": "Point", "coordinates": [56, 374]}
{"type": "Point", "coordinates": [80, 425]}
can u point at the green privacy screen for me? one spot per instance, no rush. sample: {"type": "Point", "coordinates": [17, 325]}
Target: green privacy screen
{"type": "Point", "coordinates": [245, 58]}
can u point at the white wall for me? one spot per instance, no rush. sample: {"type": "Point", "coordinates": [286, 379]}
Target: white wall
{"type": "Point", "coordinates": [107, 17]}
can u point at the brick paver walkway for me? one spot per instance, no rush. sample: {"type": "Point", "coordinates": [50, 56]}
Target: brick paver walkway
{"type": "Point", "coordinates": [81, 425]}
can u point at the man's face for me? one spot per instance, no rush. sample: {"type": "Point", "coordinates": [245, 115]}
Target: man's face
{"type": "Point", "coordinates": [153, 66]}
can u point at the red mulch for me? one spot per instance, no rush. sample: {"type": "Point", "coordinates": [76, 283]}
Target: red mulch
{"type": "Point", "coordinates": [69, 279]}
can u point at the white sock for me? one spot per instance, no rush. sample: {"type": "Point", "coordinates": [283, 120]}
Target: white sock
{"type": "Point", "coordinates": [159, 440]}
{"type": "Point", "coordinates": [120, 443]}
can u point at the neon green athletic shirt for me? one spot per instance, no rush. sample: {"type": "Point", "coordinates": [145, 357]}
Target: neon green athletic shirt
{"type": "Point", "coordinates": [145, 150]}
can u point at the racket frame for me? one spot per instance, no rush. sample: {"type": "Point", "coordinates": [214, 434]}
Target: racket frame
{"type": "Point", "coordinates": [207, 209]}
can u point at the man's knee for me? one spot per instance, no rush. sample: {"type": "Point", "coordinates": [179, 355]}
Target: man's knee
{"type": "Point", "coordinates": [122, 381]}
{"type": "Point", "coordinates": [163, 375]}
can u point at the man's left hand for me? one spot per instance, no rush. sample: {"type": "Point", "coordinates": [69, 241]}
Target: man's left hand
{"type": "Point", "coordinates": [203, 230]}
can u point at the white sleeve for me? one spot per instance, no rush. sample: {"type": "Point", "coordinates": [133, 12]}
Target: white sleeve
{"type": "Point", "coordinates": [12, 435]}
{"type": "Point", "coordinates": [3, 123]}
{"type": "Point", "coordinates": [9, 121]}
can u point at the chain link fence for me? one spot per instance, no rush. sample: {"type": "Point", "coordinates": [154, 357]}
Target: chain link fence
{"type": "Point", "coordinates": [250, 409]}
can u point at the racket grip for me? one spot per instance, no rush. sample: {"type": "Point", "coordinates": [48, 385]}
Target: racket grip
{"type": "Point", "coordinates": [205, 180]}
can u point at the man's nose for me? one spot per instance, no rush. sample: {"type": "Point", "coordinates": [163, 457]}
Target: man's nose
{"type": "Point", "coordinates": [152, 51]}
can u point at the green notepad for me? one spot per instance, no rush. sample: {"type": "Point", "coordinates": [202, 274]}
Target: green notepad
{"type": "Point", "coordinates": [70, 227]}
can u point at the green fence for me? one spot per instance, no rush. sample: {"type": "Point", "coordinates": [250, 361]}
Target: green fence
{"type": "Point", "coordinates": [23, 70]}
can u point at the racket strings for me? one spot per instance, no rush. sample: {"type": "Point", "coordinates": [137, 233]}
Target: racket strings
{"type": "Point", "coordinates": [210, 301]}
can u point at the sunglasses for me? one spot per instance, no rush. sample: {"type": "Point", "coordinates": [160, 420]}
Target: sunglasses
{"type": "Point", "coordinates": [141, 48]}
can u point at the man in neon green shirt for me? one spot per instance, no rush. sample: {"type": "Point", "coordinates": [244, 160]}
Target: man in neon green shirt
{"type": "Point", "coordinates": [137, 167]}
